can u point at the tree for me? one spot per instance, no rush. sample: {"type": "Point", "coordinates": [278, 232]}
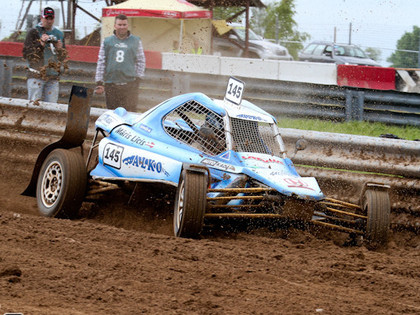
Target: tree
{"type": "Point", "coordinates": [15, 37]}
{"type": "Point", "coordinates": [406, 55]}
{"type": "Point", "coordinates": [222, 13]}
{"type": "Point", "coordinates": [279, 24]}
{"type": "Point", "coordinates": [373, 53]}
{"type": "Point", "coordinates": [257, 21]}
{"type": "Point", "coordinates": [274, 22]}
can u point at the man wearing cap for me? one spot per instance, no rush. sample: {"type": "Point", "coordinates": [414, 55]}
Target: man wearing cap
{"type": "Point", "coordinates": [44, 49]}
{"type": "Point", "coordinates": [120, 67]}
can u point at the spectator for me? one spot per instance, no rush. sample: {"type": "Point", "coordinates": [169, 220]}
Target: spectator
{"type": "Point", "coordinates": [44, 49]}
{"type": "Point", "coordinates": [120, 67]}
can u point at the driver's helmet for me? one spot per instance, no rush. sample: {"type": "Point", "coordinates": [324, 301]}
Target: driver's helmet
{"type": "Point", "coordinates": [214, 121]}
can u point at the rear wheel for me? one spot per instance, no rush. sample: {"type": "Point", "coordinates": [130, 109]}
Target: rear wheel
{"type": "Point", "coordinates": [61, 184]}
{"type": "Point", "coordinates": [377, 207]}
{"type": "Point", "coordinates": [190, 204]}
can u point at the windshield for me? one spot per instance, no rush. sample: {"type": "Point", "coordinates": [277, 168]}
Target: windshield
{"type": "Point", "coordinates": [197, 126]}
{"type": "Point", "coordinates": [349, 51]}
{"type": "Point", "coordinates": [240, 31]}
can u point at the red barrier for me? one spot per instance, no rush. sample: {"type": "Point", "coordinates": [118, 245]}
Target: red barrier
{"type": "Point", "coordinates": [153, 59]}
{"type": "Point", "coordinates": [80, 53]}
{"type": "Point", "coordinates": [11, 49]}
{"type": "Point", "coordinates": [367, 77]}
{"type": "Point", "coordinates": [377, 78]}
{"type": "Point", "coordinates": [83, 53]}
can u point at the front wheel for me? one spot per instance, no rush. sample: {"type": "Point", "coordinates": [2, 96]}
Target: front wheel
{"type": "Point", "coordinates": [377, 207]}
{"type": "Point", "coordinates": [190, 204]}
{"type": "Point", "coordinates": [61, 184]}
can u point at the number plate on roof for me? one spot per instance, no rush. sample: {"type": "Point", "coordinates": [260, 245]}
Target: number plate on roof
{"type": "Point", "coordinates": [234, 91]}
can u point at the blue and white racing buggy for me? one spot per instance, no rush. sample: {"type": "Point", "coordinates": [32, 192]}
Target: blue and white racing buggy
{"type": "Point", "coordinates": [226, 158]}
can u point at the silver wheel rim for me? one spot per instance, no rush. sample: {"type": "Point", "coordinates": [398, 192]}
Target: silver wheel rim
{"type": "Point", "coordinates": [180, 208]}
{"type": "Point", "coordinates": [51, 184]}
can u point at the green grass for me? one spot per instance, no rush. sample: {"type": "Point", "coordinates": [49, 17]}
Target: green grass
{"type": "Point", "coordinates": [373, 129]}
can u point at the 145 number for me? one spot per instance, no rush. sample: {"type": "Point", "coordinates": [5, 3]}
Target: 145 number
{"type": "Point", "coordinates": [112, 155]}
{"type": "Point", "coordinates": [234, 91]}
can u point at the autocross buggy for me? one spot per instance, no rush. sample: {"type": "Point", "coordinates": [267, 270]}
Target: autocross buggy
{"type": "Point", "coordinates": [226, 158]}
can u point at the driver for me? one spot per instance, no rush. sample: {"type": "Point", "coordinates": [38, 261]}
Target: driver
{"type": "Point", "coordinates": [212, 135]}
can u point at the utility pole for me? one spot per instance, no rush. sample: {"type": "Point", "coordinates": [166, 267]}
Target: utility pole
{"type": "Point", "coordinates": [418, 55]}
{"type": "Point", "coordinates": [247, 30]}
{"type": "Point", "coordinates": [350, 34]}
{"type": "Point", "coordinates": [69, 31]}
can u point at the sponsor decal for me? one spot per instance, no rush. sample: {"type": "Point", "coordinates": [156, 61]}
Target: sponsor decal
{"type": "Point", "coordinates": [198, 14]}
{"type": "Point", "coordinates": [170, 14]}
{"type": "Point", "coordinates": [123, 132]}
{"type": "Point", "coordinates": [296, 183]}
{"type": "Point", "coordinates": [218, 165]}
{"type": "Point", "coordinates": [157, 13]}
{"type": "Point", "coordinates": [138, 140]}
{"type": "Point", "coordinates": [225, 156]}
{"type": "Point", "coordinates": [115, 12]}
{"type": "Point", "coordinates": [250, 117]}
{"type": "Point", "coordinates": [121, 45]}
{"type": "Point", "coordinates": [270, 160]}
{"type": "Point", "coordinates": [145, 163]}
{"type": "Point", "coordinates": [141, 141]}
{"type": "Point", "coordinates": [107, 119]}
{"type": "Point", "coordinates": [276, 173]}
{"type": "Point", "coordinates": [145, 128]}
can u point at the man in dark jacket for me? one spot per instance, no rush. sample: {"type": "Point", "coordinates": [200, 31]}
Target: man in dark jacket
{"type": "Point", "coordinates": [44, 49]}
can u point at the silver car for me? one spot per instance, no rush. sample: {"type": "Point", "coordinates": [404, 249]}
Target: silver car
{"type": "Point", "coordinates": [336, 53]}
{"type": "Point", "coordinates": [232, 44]}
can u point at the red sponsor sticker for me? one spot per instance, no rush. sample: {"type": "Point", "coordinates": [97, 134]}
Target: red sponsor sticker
{"type": "Point", "coordinates": [297, 183]}
{"type": "Point", "coordinates": [270, 160]}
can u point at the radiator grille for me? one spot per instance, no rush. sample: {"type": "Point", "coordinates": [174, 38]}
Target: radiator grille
{"type": "Point", "coordinates": [252, 136]}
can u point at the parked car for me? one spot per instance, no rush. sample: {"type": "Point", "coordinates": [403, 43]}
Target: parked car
{"type": "Point", "coordinates": [229, 41]}
{"type": "Point", "coordinates": [341, 54]}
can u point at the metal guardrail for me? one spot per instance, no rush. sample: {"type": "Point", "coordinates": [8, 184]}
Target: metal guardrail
{"type": "Point", "coordinates": [356, 153]}
{"type": "Point", "coordinates": [20, 118]}
{"type": "Point", "coordinates": [280, 98]}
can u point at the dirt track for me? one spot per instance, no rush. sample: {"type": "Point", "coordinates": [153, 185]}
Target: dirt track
{"type": "Point", "coordinates": [124, 260]}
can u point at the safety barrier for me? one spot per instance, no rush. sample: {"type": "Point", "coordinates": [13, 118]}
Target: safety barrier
{"type": "Point", "coordinates": [329, 150]}
{"type": "Point", "coordinates": [377, 78]}
{"type": "Point", "coordinates": [294, 89]}
{"type": "Point", "coordinates": [281, 98]}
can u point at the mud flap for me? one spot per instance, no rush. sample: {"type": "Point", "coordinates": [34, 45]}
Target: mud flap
{"type": "Point", "coordinates": [197, 168]}
{"type": "Point", "coordinates": [374, 186]}
{"type": "Point", "coordinates": [78, 114]}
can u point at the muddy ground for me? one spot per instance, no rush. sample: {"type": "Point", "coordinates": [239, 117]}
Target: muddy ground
{"type": "Point", "coordinates": [120, 259]}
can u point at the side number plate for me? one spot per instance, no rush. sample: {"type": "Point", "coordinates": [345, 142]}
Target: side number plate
{"type": "Point", "coordinates": [112, 155]}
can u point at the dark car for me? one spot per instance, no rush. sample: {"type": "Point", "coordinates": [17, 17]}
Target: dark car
{"type": "Point", "coordinates": [229, 41]}
{"type": "Point", "coordinates": [336, 53]}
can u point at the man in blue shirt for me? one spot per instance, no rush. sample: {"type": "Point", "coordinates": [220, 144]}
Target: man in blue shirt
{"type": "Point", "coordinates": [120, 66]}
{"type": "Point", "coordinates": [44, 49]}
